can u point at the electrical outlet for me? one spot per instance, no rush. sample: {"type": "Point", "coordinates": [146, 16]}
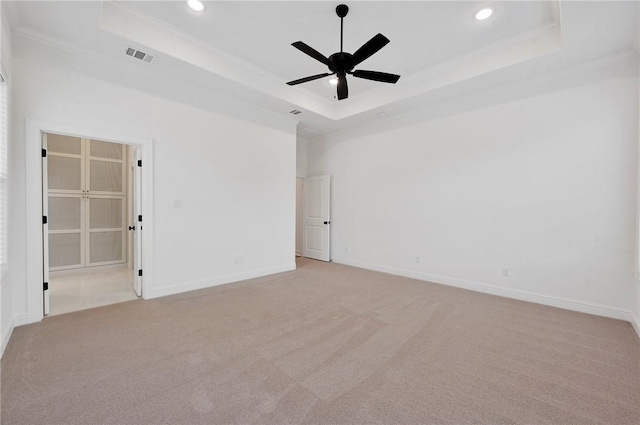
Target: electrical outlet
{"type": "Point", "coordinates": [177, 203]}
{"type": "Point", "coordinates": [239, 260]}
{"type": "Point", "coordinates": [505, 272]}
{"type": "Point", "coordinates": [346, 248]}
{"type": "Point", "coordinates": [418, 259]}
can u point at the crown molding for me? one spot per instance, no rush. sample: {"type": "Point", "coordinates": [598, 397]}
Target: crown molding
{"type": "Point", "coordinates": [232, 104]}
{"type": "Point", "coordinates": [494, 57]}
{"type": "Point", "coordinates": [161, 37]}
{"type": "Point", "coordinates": [477, 99]}
{"type": "Point", "coordinates": [550, 28]}
{"type": "Point", "coordinates": [213, 49]}
{"type": "Point", "coordinates": [122, 20]}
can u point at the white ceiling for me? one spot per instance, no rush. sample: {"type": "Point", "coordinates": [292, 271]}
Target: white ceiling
{"type": "Point", "coordinates": [262, 32]}
{"type": "Point", "coordinates": [242, 49]}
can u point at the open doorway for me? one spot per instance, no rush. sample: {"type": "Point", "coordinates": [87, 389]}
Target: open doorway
{"type": "Point", "coordinates": [91, 223]}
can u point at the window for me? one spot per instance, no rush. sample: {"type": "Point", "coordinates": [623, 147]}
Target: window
{"type": "Point", "coordinates": [4, 177]}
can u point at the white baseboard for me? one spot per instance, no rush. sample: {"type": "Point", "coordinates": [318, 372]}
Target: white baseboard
{"type": "Point", "coordinates": [20, 320]}
{"type": "Point", "coordinates": [91, 269]}
{"type": "Point", "coordinates": [8, 331]}
{"type": "Point", "coordinates": [560, 302]}
{"type": "Point", "coordinates": [222, 280]}
{"type": "Point", "coordinates": [635, 322]}
{"type": "Point", "coordinates": [6, 335]}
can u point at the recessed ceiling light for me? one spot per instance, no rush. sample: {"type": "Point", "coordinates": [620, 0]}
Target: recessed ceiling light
{"type": "Point", "coordinates": [196, 5]}
{"type": "Point", "coordinates": [484, 14]}
{"type": "Point", "coordinates": [333, 81]}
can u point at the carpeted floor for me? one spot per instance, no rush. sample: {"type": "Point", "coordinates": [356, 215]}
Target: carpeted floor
{"type": "Point", "coordinates": [326, 344]}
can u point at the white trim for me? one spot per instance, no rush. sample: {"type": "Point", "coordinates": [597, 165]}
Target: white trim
{"type": "Point", "coordinates": [560, 302]}
{"type": "Point", "coordinates": [121, 20]}
{"type": "Point", "coordinates": [6, 333]}
{"type": "Point", "coordinates": [6, 336]}
{"type": "Point", "coordinates": [222, 280]}
{"type": "Point", "coordinates": [635, 322]}
{"type": "Point", "coordinates": [34, 128]}
{"type": "Point", "coordinates": [480, 99]}
{"type": "Point", "coordinates": [20, 320]}
{"type": "Point", "coordinates": [101, 269]}
{"type": "Point", "coordinates": [233, 106]}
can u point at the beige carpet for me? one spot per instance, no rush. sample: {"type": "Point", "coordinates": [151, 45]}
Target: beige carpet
{"type": "Point", "coordinates": [326, 344]}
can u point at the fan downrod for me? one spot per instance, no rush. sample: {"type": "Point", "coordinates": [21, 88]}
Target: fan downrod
{"type": "Point", "coordinates": [342, 10]}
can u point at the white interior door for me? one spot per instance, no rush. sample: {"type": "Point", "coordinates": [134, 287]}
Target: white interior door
{"type": "Point", "coordinates": [105, 184]}
{"type": "Point", "coordinates": [105, 232]}
{"type": "Point", "coordinates": [137, 234]}
{"type": "Point", "coordinates": [316, 217]}
{"type": "Point", "coordinates": [63, 184]}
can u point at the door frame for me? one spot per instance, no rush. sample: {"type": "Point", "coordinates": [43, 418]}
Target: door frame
{"type": "Point", "coordinates": [34, 196]}
{"type": "Point", "coordinates": [299, 220]}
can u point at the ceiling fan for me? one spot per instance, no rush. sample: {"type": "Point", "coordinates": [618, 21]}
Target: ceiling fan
{"type": "Point", "coordinates": [342, 63]}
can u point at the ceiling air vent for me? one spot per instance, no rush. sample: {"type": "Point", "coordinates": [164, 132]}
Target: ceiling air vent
{"type": "Point", "coordinates": [295, 112]}
{"type": "Point", "coordinates": [138, 54]}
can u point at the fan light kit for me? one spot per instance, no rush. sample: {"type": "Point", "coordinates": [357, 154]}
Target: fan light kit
{"type": "Point", "coordinates": [484, 14]}
{"type": "Point", "coordinates": [342, 63]}
{"type": "Point", "coordinates": [196, 5]}
{"type": "Point", "coordinates": [333, 81]}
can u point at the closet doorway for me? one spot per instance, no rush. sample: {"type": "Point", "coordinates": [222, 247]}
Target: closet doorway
{"type": "Point", "coordinates": [91, 234]}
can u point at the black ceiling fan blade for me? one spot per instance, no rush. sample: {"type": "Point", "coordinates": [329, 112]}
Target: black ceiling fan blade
{"type": "Point", "coordinates": [377, 76]}
{"type": "Point", "coordinates": [343, 89]}
{"type": "Point", "coordinates": [311, 78]}
{"type": "Point", "coordinates": [305, 48]}
{"type": "Point", "coordinates": [369, 48]}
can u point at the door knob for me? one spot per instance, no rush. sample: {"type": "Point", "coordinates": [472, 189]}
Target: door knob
{"type": "Point", "coordinates": [132, 227]}
{"type": "Point", "coordinates": [327, 222]}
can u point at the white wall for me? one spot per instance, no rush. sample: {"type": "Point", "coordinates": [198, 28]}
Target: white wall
{"type": "Point", "coordinates": [301, 172]}
{"type": "Point", "coordinates": [636, 298]}
{"type": "Point", "coordinates": [235, 178]}
{"type": "Point", "coordinates": [544, 186]}
{"type": "Point", "coordinates": [6, 296]}
{"type": "Point", "coordinates": [301, 157]}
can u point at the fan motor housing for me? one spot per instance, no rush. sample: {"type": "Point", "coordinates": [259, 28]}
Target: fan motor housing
{"type": "Point", "coordinates": [341, 62]}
